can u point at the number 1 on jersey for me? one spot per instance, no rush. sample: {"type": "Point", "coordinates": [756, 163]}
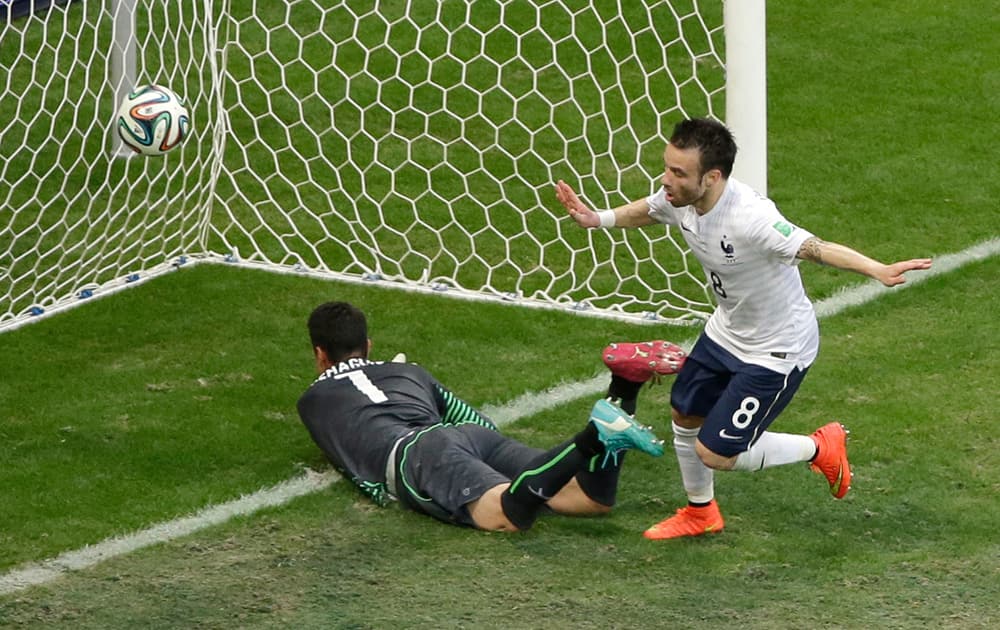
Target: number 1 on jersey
{"type": "Point", "coordinates": [360, 380]}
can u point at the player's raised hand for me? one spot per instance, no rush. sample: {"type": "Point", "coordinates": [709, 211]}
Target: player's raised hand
{"type": "Point", "coordinates": [584, 216]}
{"type": "Point", "coordinates": [892, 275]}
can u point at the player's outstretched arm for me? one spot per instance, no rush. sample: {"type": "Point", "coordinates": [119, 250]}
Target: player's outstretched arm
{"type": "Point", "coordinates": [843, 257]}
{"type": "Point", "coordinates": [633, 214]}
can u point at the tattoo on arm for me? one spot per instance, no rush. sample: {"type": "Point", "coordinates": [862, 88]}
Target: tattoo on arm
{"type": "Point", "coordinates": [811, 250]}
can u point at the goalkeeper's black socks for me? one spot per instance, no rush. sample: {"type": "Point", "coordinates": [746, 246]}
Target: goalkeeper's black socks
{"type": "Point", "coordinates": [600, 483]}
{"type": "Point", "coordinates": [625, 393]}
{"type": "Point", "coordinates": [546, 475]}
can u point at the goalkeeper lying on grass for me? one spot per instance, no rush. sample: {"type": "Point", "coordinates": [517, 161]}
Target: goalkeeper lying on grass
{"type": "Point", "coordinates": [398, 434]}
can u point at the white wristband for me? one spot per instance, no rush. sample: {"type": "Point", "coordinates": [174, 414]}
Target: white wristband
{"type": "Point", "coordinates": [607, 218]}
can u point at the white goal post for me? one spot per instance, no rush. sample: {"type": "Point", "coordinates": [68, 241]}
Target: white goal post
{"type": "Point", "coordinates": [408, 143]}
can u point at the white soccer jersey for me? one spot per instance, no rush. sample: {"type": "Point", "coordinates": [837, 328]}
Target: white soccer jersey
{"type": "Point", "coordinates": [747, 250]}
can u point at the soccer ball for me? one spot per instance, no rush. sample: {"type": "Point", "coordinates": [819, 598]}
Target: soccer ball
{"type": "Point", "coordinates": [152, 120]}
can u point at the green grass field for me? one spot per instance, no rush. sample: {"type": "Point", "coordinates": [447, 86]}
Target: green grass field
{"type": "Point", "coordinates": [156, 402]}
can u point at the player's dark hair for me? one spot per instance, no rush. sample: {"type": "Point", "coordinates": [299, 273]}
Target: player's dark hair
{"type": "Point", "coordinates": [340, 329]}
{"type": "Point", "coordinates": [712, 139]}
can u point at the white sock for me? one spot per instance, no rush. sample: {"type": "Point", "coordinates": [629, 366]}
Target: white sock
{"type": "Point", "coordinates": [699, 479]}
{"type": "Point", "coordinates": [776, 449]}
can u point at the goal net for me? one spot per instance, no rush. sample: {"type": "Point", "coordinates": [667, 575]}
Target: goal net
{"type": "Point", "coordinates": [411, 144]}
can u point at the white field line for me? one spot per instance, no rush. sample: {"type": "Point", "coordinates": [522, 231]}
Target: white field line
{"type": "Point", "coordinates": [36, 573]}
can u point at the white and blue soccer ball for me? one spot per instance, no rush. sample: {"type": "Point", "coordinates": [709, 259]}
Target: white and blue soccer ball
{"type": "Point", "coordinates": [152, 120]}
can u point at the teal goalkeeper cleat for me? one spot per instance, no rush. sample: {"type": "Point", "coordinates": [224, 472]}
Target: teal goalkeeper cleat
{"type": "Point", "coordinates": [618, 431]}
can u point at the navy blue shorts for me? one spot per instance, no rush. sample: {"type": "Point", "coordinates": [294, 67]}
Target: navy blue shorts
{"type": "Point", "coordinates": [446, 467]}
{"type": "Point", "coordinates": [738, 400]}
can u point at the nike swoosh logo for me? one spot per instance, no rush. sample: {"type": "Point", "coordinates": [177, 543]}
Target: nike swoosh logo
{"type": "Point", "coordinates": [726, 436]}
{"type": "Point", "coordinates": [620, 424]}
{"type": "Point", "coordinates": [538, 493]}
{"type": "Point", "coordinates": [840, 479]}
{"type": "Point", "coordinates": [686, 229]}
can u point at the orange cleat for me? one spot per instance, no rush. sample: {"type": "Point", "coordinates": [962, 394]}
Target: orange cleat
{"type": "Point", "coordinates": [688, 521]}
{"type": "Point", "coordinates": [831, 457]}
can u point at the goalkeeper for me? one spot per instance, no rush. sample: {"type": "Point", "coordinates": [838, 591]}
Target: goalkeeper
{"type": "Point", "coordinates": [398, 434]}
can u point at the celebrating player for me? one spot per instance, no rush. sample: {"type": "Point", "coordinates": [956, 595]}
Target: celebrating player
{"type": "Point", "coordinates": [399, 434]}
{"type": "Point", "coordinates": [760, 341]}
